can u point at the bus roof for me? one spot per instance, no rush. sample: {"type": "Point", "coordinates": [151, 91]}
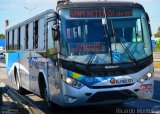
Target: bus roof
{"type": "Point", "coordinates": [69, 4]}
{"type": "Point", "coordinates": [32, 19]}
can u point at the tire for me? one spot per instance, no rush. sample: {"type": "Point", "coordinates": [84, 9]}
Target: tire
{"type": "Point", "coordinates": [44, 94]}
{"type": "Point", "coordinates": [42, 88]}
{"type": "Point", "coordinates": [53, 107]}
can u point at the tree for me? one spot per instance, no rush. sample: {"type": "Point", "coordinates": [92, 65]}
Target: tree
{"type": "Point", "coordinates": [2, 36]}
{"type": "Point", "coordinates": [157, 35]}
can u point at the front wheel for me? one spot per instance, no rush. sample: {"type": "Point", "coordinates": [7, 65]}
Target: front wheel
{"type": "Point", "coordinates": [53, 107]}
{"type": "Point", "coordinates": [44, 94]}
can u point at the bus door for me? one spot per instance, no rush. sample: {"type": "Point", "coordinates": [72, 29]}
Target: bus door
{"type": "Point", "coordinates": [52, 69]}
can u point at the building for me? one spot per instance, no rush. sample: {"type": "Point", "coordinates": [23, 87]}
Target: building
{"type": "Point", "coordinates": [2, 44]}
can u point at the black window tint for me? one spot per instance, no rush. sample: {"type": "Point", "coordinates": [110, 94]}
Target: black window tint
{"type": "Point", "coordinates": [19, 38]}
{"type": "Point", "coordinates": [8, 41]}
{"type": "Point", "coordinates": [26, 35]}
{"type": "Point", "coordinates": [36, 34]}
{"type": "Point", "coordinates": [13, 40]}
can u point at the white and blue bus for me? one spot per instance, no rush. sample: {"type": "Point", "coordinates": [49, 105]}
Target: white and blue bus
{"type": "Point", "coordinates": [84, 53]}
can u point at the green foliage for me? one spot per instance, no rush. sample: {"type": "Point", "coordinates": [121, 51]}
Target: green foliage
{"type": "Point", "coordinates": [2, 36]}
{"type": "Point", "coordinates": [158, 33]}
{"type": "Point", "coordinates": [157, 46]}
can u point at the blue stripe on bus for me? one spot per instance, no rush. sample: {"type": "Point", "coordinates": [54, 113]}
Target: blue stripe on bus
{"type": "Point", "coordinates": [12, 58]}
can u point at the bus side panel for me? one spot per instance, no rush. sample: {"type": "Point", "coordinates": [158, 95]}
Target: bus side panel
{"type": "Point", "coordinates": [12, 62]}
{"type": "Point", "coordinates": [24, 70]}
{"type": "Point", "coordinates": [54, 81]}
{"type": "Point", "coordinates": [38, 64]}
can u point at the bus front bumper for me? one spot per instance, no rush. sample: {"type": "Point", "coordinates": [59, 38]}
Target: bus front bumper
{"type": "Point", "coordinates": [71, 96]}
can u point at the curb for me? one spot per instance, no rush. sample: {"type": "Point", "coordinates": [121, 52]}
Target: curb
{"type": "Point", "coordinates": [21, 102]}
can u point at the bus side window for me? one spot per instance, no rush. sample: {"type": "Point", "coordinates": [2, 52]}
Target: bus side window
{"type": "Point", "coordinates": [19, 37]}
{"type": "Point", "coordinates": [7, 40]}
{"type": "Point", "coordinates": [26, 35]}
{"type": "Point", "coordinates": [41, 34]}
{"type": "Point", "coordinates": [15, 39]}
{"type": "Point", "coordinates": [30, 37]}
{"type": "Point", "coordinates": [50, 39]}
{"type": "Point", "coordinates": [22, 32]}
{"type": "Point", "coordinates": [36, 34]}
{"type": "Point", "coordinates": [10, 40]}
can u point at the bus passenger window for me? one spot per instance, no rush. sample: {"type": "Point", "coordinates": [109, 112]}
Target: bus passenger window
{"type": "Point", "coordinates": [19, 37]}
{"type": "Point", "coordinates": [22, 44]}
{"type": "Point", "coordinates": [26, 34]}
{"type": "Point", "coordinates": [40, 39]}
{"type": "Point", "coordinates": [50, 39]}
{"type": "Point", "coordinates": [10, 40]}
{"type": "Point", "coordinates": [15, 39]}
{"type": "Point", "coordinates": [36, 35]}
{"type": "Point", "coordinates": [30, 36]}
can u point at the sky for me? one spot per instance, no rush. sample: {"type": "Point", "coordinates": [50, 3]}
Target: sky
{"type": "Point", "coordinates": [19, 10]}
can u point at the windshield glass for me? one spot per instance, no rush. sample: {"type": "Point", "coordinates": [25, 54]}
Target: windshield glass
{"type": "Point", "coordinates": [83, 35]}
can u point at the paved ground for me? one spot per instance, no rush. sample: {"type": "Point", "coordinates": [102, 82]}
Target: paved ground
{"type": "Point", "coordinates": [3, 72]}
{"type": "Point", "coordinates": [156, 56]}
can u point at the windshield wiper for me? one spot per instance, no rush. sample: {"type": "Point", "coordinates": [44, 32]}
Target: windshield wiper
{"type": "Point", "coordinates": [131, 56]}
{"type": "Point", "coordinates": [106, 28]}
{"type": "Point", "coordinates": [76, 65]}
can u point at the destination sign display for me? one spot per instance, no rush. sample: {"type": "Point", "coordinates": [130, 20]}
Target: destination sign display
{"type": "Point", "coordinates": [87, 47]}
{"type": "Point", "coordinates": [90, 13]}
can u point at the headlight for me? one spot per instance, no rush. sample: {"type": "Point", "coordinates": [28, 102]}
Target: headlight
{"type": "Point", "coordinates": [72, 82]}
{"type": "Point", "coordinates": [149, 74]}
{"type": "Point", "coordinates": [146, 77]}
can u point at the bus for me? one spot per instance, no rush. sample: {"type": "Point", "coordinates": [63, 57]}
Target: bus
{"type": "Point", "coordinates": [84, 53]}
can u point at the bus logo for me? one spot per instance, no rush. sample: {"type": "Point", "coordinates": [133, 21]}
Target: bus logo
{"type": "Point", "coordinates": [113, 80]}
{"type": "Point", "coordinates": [123, 81]}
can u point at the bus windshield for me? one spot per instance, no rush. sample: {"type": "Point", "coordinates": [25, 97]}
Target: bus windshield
{"type": "Point", "coordinates": [117, 38]}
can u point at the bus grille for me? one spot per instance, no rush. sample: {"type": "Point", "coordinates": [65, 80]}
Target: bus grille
{"type": "Point", "coordinates": [103, 87]}
{"type": "Point", "coordinates": [112, 95]}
